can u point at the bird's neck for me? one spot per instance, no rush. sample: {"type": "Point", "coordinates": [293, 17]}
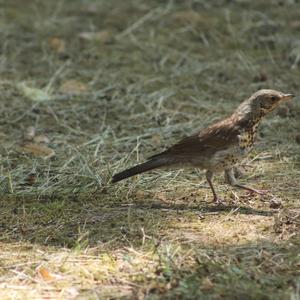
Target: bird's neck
{"type": "Point", "coordinates": [246, 117]}
{"type": "Point", "coordinates": [249, 121]}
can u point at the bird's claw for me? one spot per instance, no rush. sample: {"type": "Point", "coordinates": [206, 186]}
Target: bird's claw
{"type": "Point", "coordinates": [218, 201]}
{"type": "Point", "coordinates": [252, 190]}
{"type": "Point", "coordinates": [259, 192]}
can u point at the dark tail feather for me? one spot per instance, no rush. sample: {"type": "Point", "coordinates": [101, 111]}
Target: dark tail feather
{"type": "Point", "coordinates": [147, 166]}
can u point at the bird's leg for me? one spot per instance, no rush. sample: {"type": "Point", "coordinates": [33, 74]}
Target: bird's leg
{"type": "Point", "coordinates": [209, 177]}
{"type": "Point", "coordinates": [230, 178]}
{"type": "Point", "coordinates": [237, 172]}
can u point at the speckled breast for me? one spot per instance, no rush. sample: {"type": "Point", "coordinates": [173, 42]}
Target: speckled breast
{"type": "Point", "coordinates": [234, 154]}
{"type": "Point", "coordinates": [247, 139]}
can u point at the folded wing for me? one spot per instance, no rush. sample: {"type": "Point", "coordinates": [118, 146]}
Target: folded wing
{"type": "Point", "coordinates": [218, 137]}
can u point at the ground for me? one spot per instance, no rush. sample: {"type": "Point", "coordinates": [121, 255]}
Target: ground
{"type": "Point", "coordinates": [89, 88]}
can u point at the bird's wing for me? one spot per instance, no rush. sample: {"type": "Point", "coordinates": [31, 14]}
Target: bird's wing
{"type": "Point", "coordinates": [217, 137]}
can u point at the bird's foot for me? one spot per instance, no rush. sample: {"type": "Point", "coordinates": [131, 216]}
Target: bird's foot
{"type": "Point", "coordinates": [252, 190]}
{"type": "Point", "coordinates": [218, 201]}
{"type": "Point", "coordinates": [259, 192]}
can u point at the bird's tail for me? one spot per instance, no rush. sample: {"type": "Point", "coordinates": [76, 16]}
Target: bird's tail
{"type": "Point", "coordinates": [144, 167]}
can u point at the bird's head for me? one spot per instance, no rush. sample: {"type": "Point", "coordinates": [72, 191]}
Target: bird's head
{"type": "Point", "coordinates": [262, 102]}
{"type": "Point", "coordinates": [267, 100]}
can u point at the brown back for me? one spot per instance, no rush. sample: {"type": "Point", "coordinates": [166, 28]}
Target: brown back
{"type": "Point", "coordinates": [217, 137]}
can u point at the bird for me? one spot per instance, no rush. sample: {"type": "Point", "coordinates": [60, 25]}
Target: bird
{"type": "Point", "coordinates": [220, 146]}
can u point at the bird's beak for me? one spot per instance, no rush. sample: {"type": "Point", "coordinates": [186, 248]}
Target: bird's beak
{"type": "Point", "coordinates": [287, 96]}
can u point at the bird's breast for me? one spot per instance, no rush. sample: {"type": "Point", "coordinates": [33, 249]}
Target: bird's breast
{"type": "Point", "coordinates": [247, 139]}
{"type": "Point", "coordinates": [226, 158]}
{"type": "Point", "coordinates": [235, 153]}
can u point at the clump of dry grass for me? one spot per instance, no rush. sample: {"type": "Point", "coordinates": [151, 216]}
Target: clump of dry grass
{"type": "Point", "coordinates": [107, 84]}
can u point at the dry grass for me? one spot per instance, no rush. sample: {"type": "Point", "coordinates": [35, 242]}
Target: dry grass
{"type": "Point", "coordinates": [153, 72]}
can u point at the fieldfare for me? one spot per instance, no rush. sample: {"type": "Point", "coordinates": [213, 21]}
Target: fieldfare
{"type": "Point", "coordinates": [220, 146]}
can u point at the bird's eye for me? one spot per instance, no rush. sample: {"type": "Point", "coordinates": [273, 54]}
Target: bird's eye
{"type": "Point", "coordinates": [273, 98]}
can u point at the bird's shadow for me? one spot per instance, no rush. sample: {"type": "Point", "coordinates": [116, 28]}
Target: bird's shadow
{"type": "Point", "coordinates": [108, 222]}
{"type": "Point", "coordinates": [203, 209]}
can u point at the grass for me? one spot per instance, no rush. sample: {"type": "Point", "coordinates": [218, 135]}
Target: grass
{"type": "Point", "coordinates": [105, 84]}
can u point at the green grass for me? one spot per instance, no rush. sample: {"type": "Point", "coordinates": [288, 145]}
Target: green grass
{"type": "Point", "coordinates": [158, 71]}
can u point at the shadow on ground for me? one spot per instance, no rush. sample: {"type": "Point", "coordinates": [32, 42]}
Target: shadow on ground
{"type": "Point", "coordinates": [62, 222]}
